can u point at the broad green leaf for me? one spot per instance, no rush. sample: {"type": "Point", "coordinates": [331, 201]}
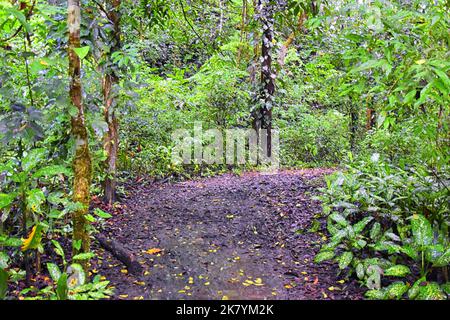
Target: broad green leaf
{"type": "Point", "coordinates": [89, 217]}
{"type": "Point", "coordinates": [62, 288]}
{"type": "Point", "coordinates": [3, 283]}
{"type": "Point", "coordinates": [84, 256]}
{"type": "Point", "coordinates": [54, 271]}
{"type": "Point", "coordinates": [323, 256]}
{"type": "Point", "coordinates": [339, 219]}
{"type": "Point", "coordinates": [410, 252]}
{"type": "Point", "coordinates": [33, 158]}
{"type": "Point", "coordinates": [422, 231]}
{"type": "Point", "coordinates": [443, 260]}
{"type": "Point", "coordinates": [10, 242]}
{"type": "Point", "coordinates": [375, 231]}
{"type": "Point", "coordinates": [431, 291]}
{"type": "Point", "coordinates": [35, 198]}
{"type": "Point", "coordinates": [82, 52]}
{"type": "Point", "coordinates": [414, 290]}
{"type": "Point", "coordinates": [19, 16]}
{"type": "Point", "coordinates": [76, 244]}
{"type": "Point", "coordinates": [51, 171]}
{"type": "Point", "coordinates": [397, 271]}
{"type": "Point", "coordinates": [56, 198]}
{"type": "Point", "coordinates": [102, 214]}
{"type": "Point", "coordinates": [433, 252]}
{"type": "Point", "coordinates": [6, 199]}
{"type": "Point", "coordinates": [375, 294]}
{"type": "Point", "coordinates": [345, 259]}
{"type": "Point", "coordinates": [396, 290]}
{"type": "Point", "coordinates": [358, 227]}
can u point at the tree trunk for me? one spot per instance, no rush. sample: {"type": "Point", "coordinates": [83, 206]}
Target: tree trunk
{"type": "Point", "coordinates": [82, 158]}
{"type": "Point", "coordinates": [121, 253]}
{"type": "Point", "coordinates": [111, 139]}
{"type": "Point", "coordinates": [111, 143]}
{"type": "Point", "coordinates": [243, 35]}
{"type": "Point", "coordinates": [263, 116]}
{"type": "Point", "coordinates": [284, 48]}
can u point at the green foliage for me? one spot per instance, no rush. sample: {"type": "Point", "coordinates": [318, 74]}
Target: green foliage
{"type": "Point", "coordinates": [387, 223]}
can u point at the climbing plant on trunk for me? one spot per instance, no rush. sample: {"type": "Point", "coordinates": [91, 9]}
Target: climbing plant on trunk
{"type": "Point", "coordinates": [82, 157]}
{"type": "Point", "coordinates": [262, 116]}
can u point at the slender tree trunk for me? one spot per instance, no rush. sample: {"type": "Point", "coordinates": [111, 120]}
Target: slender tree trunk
{"type": "Point", "coordinates": [243, 35]}
{"type": "Point", "coordinates": [370, 118]}
{"type": "Point", "coordinates": [263, 117]}
{"type": "Point", "coordinates": [353, 125]}
{"type": "Point", "coordinates": [284, 48]}
{"type": "Point", "coordinates": [111, 139]}
{"type": "Point", "coordinates": [111, 143]}
{"type": "Point", "coordinates": [82, 158]}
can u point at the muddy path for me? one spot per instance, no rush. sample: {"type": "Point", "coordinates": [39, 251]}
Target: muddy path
{"type": "Point", "coordinates": [226, 237]}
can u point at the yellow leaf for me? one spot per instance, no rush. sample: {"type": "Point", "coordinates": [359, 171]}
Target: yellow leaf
{"type": "Point", "coordinates": [288, 286]}
{"type": "Point", "coordinates": [207, 283]}
{"type": "Point", "coordinates": [26, 242]}
{"type": "Point", "coordinates": [153, 251]}
{"type": "Point", "coordinates": [124, 271]}
{"type": "Point", "coordinates": [123, 296]}
{"type": "Point", "coordinates": [225, 298]}
{"type": "Point", "coordinates": [421, 61]}
{"type": "Point", "coordinates": [191, 280]}
{"type": "Point", "coordinates": [33, 239]}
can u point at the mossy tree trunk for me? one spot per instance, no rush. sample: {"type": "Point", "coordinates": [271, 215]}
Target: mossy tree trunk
{"type": "Point", "coordinates": [82, 157]}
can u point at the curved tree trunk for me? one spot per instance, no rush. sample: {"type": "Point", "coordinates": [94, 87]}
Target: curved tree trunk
{"type": "Point", "coordinates": [82, 158]}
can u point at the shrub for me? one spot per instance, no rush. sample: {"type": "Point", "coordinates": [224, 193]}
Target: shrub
{"type": "Point", "coordinates": [387, 223]}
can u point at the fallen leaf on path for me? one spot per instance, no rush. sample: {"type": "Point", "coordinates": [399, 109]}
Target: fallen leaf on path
{"type": "Point", "coordinates": [153, 251]}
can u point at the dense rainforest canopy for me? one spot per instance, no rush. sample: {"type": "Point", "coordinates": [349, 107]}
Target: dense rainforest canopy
{"type": "Point", "coordinates": [350, 96]}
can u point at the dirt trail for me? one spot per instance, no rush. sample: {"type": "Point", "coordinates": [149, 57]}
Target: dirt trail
{"type": "Point", "coordinates": [224, 237]}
